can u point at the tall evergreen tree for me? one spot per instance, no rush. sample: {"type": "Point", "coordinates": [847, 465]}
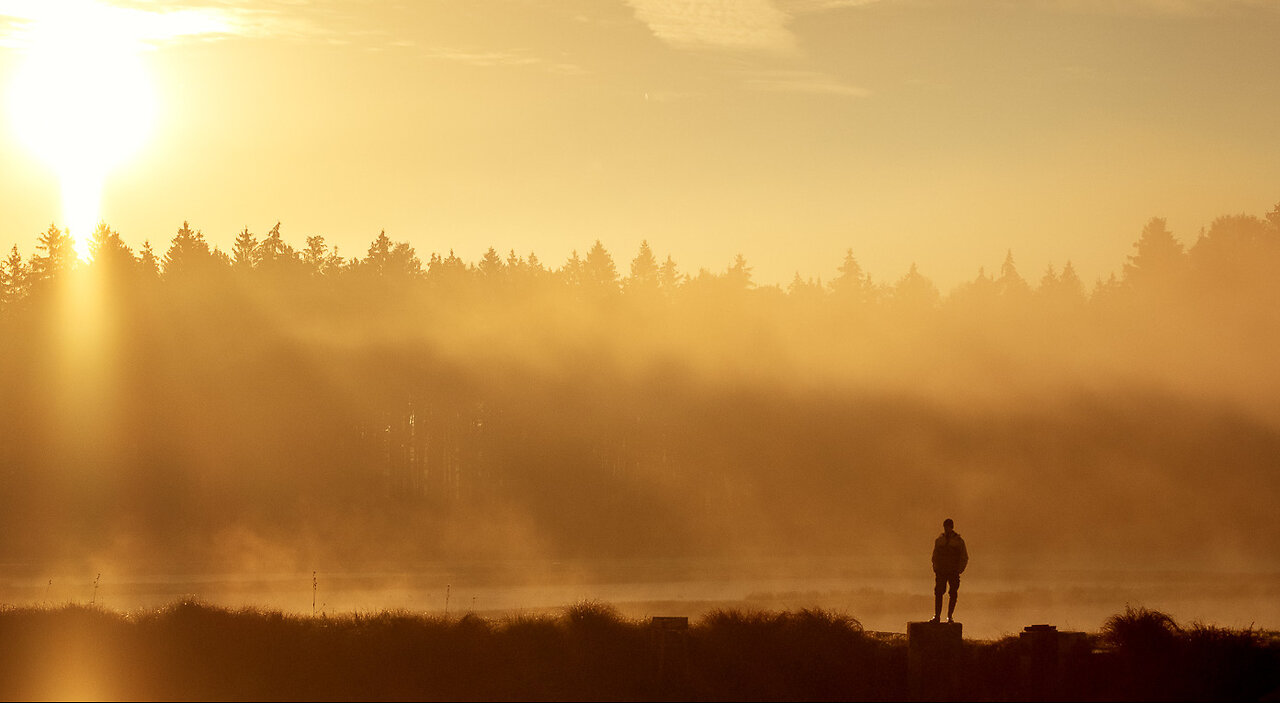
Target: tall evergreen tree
{"type": "Point", "coordinates": [1237, 250]}
{"type": "Point", "coordinates": [914, 291]}
{"type": "Point", "coordinates": [273, 252]}
{"type": "Point", "coordinates": [1011, 284]}
{"type": "Point", "coordinates": [669, 276]}
{"type": "Point", "coordinates": [1069, 283]}
{"type": "Point", "coordinates": [55, 254]}
{"type": "Point", "coordinates": [491, 266]}
{"type": "Point", "coordinates": [14, 278]}
{"type": "Point", "coordinates": [221, 258]}
{"type": "Point", "coordinates": [244, 253]}
{"type": "Point", "coordinates": [403, 262]}
{"type": "Point", "coordinates": [976, 297]}
{"type": "Point", "coordinates": [446, 272]}
{"type": "Point", "coordinates": [738, 276]}
{"type": "Point", "coordinates": [599, 271]}
{"type": "Point", "coordinates": [108, 251]}
{"type": "Point", "coordinates": [188, 253]}
{"type": "Point", "coordinates": [851, 283]}
{"type": "Point", "coordinates": [1105, 291]}
{"type": "Point", "coordinates": [1159, 256]}
{"type": "Point", "coordinates": [1062, 288]}
{"type": "Point", "coordinates": [644, 270]}
{"type": "Point", "coordinates": [387, 259]}
{"type": "Point", "coordinates": [800, 289]}
{"type": "Point", "coordinates": [148, 263]}
{"type": "Point", "coordinates": [1049, 280]}
{"type": "Point", "coordinates": [377, 259]}
{"type": "Point", "coordinates": [573, 273]}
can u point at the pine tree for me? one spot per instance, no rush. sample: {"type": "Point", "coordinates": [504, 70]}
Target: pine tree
{"type": "Point", "coordinates": [572, 273]}
{"type": "Point", "coordinates": [1061, 288]}
{"type": "Point", "coordinates": [244, 253]}
{"type": "Point", "coordinates": [1105, 291]}
{"type": "Point", "coordinates": [644, 270]}
{"type": "Point", "coordinates": [1238, 252]}
{"type": "Point", "coordinates": [852, 284]}
{"type": "Point", "coordinates": [800, 289]}
{"type": "Point", "coordinates": [915, 291]}
{"type": "Point", "coordinates": [188, 253]}
{"type": "Point", "coordinates": [1159, 256]}
{"type": "Point", "coordinates": [108, 251]}
{"type": "Point", "coordinates": [59, 254]}
{"type": "Point", "coordinates": [1011, 284]}
{"type": "Point", "coordinates": [599, 271]}
{"type": "Point", "coordinates": [1049, 281]}
{"type": "Point", "coordinates": [797, 284]}
{"type": "Point", "coordinates": [446, 272]}
{"type": "Point", "coordinates": [403, 262]}
{"type": "Point", "coordinates": [14, 278]}
{"type": "Point", "coordinates": [738, 276]}
{"type": "Point", "coordinates": [669, 277]}
{"type": "Point", "coordinates": [377, 259]}
{"type": "Point", "coordinates": [1069, 284]}
{"type": "Point", "coordinates": [147, 261]}
{"type": "Point", "coordinates": [273, 253]}
{"type": "Point", "coordinates": [491, 266]}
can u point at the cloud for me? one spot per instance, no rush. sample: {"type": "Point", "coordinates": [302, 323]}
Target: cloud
{"type": "Point", "coordinates": [802, 81]}
{"type": "Point", "coordinates": [151, 23]}
{"type": "Point", "coordinates": [805, 6]}
{"type": "Point", "coordinates": [753, 25]}
{"type": "Point", "coordinates": [502, 58]}
{"type": "Point", "coordinates": [1177, 8]}
{"type": "Point", "coordinates": [154, 23]}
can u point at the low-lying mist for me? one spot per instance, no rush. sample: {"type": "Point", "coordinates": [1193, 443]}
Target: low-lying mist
{"type": "Point", "coordinates": [276, 409]}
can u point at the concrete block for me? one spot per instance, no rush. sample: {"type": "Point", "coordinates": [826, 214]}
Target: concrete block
{"type": "Point", "coordinates": [935, 651]}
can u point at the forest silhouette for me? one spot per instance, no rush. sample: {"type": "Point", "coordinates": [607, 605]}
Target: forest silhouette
{"type": "Point", "coordinates": [274, 406]}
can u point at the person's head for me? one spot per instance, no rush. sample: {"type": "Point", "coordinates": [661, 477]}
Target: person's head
{"type": "Point", "coordinates": [948, 525]}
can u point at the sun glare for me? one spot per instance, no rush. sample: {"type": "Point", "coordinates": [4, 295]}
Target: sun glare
{"type": "Point", "coordinates": [82, 101]}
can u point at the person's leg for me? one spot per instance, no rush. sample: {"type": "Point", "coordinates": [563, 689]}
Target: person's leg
{"type": "Point", "coordinates": [954, 582]}
{"type": "Point", "coordinates": [939, 587]}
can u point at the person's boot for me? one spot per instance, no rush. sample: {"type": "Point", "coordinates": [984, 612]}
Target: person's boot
{"type": "Point", "coordinates": [937, 607]}
{"type": "Point", "coordinates": [951, 607]}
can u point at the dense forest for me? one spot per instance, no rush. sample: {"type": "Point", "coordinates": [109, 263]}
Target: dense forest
{"type": "Point", "coordinates": [275, 407]}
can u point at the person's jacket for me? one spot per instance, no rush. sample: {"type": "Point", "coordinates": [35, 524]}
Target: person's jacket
{"type": "Point", "coordinates": [949, 554]}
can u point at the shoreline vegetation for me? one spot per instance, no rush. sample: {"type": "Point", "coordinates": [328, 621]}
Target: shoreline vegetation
{"type": "Point", "coordinates": [194, 650]}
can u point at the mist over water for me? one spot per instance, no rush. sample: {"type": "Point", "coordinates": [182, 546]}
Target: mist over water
{"type": "Point", "coordinates": [990, 606]}
{"type": "Point", "coordinates": [528, 436]}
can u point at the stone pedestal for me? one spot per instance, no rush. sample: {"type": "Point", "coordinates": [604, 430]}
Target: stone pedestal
{"type": "Point", "coordinates": [669, 637]}
{"type": "Point", "coordinates": [934, 654]}
{"type": "Point", "coordinates": [1049, 661]}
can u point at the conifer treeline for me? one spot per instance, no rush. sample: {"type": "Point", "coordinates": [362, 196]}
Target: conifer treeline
{"type": "Point", "coordinates": [1235, 250]}
{"type": "Point", "coordinates": [286, 405]}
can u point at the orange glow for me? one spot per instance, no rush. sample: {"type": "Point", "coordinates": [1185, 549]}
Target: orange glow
{"type": "Point", "coordinates": [82, 101]}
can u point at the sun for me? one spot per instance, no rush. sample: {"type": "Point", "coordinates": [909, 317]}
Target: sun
{"type": "Point", "coordinates": [82, 101]}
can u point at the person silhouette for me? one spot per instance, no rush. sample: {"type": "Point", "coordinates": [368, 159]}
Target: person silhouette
{"type": "Point", "coordinates": [950, 556]}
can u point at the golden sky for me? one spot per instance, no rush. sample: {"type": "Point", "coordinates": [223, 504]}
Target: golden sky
{"type": "Point", "coordinates": [942, 132]}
